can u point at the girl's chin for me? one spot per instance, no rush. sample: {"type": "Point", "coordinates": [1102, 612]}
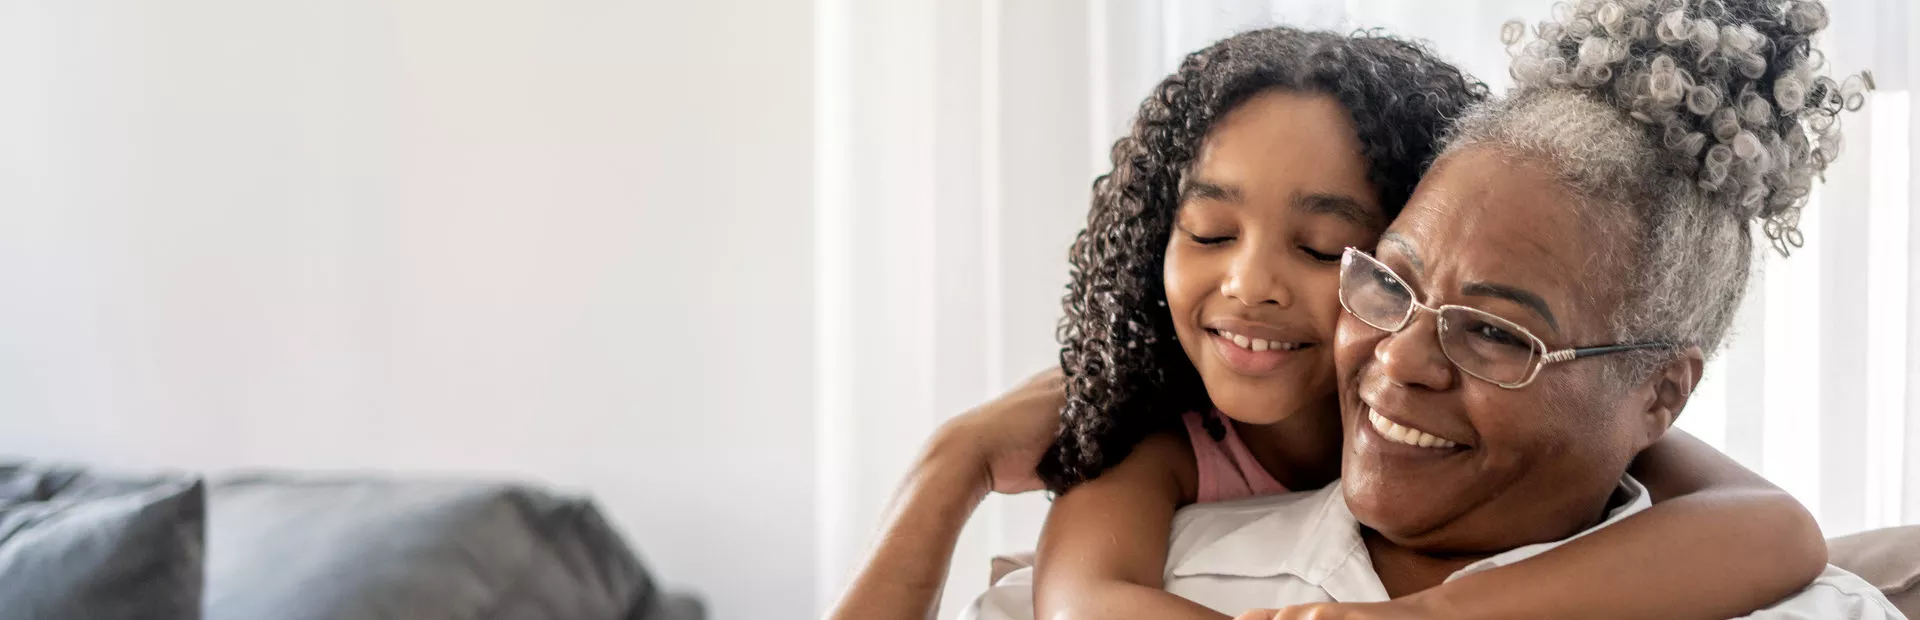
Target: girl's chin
{"type": "Point", "coordinates": [1257, 410]}
{"type": "Point", "coordinates": [1269, 401]}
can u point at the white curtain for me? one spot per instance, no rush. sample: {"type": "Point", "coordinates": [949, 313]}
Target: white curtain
{"type": "Point", "coordinates": [957, 140]}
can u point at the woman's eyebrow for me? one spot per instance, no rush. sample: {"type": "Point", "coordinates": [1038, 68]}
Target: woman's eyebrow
{"type": "Point", "coordinates": [1514, 294]}
{"type": "Point", "coordinates": [1480, 289]}
{"type": "Point", "coordinates": [1413, 256]}
{"type": "Point", "coordinates": [1339, 206]}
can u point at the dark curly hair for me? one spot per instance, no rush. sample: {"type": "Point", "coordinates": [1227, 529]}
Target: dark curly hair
{"type": "Point", "coordinates": [1126, 375]}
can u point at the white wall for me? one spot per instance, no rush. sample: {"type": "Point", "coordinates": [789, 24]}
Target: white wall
{"type": "Point", "coordinates": [564, 240]}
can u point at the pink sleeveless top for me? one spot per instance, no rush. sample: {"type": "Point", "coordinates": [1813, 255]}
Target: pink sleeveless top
{"type": "Point", "coordinates": [1227, 470]}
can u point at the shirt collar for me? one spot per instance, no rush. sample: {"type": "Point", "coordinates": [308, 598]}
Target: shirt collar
{"type": "Point", "coordinates": [1309, 535]}
{"type": "Point", "coordinates": [1313, 536]}
{"type": "Point", "coordinates": [1637, 500]}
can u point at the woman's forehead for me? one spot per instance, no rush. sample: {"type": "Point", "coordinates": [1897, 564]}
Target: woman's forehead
{"type": "Point", "coordinates": [1489, 203]}
{"type": "Point", "coordinates": [1482, 216]}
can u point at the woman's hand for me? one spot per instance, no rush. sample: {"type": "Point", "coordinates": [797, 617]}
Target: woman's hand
{"type": "Point", "coordinates": [1007, 435]}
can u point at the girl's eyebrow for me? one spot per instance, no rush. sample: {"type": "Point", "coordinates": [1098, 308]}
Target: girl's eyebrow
{"type": "Point", "coordinates": [1200, 188]}
{"type": "Point", "coordinates": [1339, 206]}
{"type": "Point", "coordinates": [1210, 190]}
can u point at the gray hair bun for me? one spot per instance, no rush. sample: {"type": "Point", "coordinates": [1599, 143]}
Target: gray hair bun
{"type": "Point", "coordinates": [1733, 89]}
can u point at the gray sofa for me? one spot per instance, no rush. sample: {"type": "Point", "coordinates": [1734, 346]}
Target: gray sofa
{"type": "Point", "coordinates": [74, 544]}
{"type": "Point", "coordinates": [320, 547]}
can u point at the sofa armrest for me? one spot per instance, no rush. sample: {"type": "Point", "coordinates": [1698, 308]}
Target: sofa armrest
{"type": "Point", "coordinates": [1887, 558]}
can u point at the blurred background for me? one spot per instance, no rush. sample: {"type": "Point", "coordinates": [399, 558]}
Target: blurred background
{"type": "Point", "coordinates": [721, 264]}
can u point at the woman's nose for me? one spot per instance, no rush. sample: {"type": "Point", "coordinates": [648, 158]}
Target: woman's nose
{"type": "Point", "coordinates": [1412, 356]}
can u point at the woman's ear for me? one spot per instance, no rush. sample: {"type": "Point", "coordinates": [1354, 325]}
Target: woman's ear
{"type": "Point", "coordinates": [1672, 386]}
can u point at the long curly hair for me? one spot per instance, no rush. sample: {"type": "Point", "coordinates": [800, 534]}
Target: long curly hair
{"type": "Point", "coordinates": [1127, 376]}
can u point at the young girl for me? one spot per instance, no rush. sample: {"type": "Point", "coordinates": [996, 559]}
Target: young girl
{"type": "Point", "coordinates": [1199, 323]}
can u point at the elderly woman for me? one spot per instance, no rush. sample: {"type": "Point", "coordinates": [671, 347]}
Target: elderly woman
{"type": "Point", "coordinates": [1540, 312]}
{"type": "Point", "coordinates": [1536, 316]}
{"type": "Point", "coordinates": [1537, 329]}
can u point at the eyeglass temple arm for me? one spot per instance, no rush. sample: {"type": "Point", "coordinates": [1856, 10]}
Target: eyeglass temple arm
{"type": "Point", "coordinates": [1574, 354]}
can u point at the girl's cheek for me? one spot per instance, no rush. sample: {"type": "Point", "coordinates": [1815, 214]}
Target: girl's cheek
{"type": "Point", "coordinates": [1327, 306]}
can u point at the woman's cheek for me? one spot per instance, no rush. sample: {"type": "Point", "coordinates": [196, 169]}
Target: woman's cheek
{"type": "Point", "coordinates": [1353, 342]}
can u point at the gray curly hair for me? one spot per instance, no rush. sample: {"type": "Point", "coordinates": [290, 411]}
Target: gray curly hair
{"type": "Point", "coordinates": [1700, 116]}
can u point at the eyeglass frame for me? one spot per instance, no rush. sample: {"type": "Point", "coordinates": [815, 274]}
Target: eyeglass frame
{"type": "Point", "coordinates": [1540, 352]}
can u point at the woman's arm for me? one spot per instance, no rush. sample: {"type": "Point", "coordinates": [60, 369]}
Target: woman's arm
{"type": "Point", "coordinates": [1719, 542]}
{"type": "Point", "coordinates": [992, 448]}
{"type": "Point", "coordinates": [1104, 548]}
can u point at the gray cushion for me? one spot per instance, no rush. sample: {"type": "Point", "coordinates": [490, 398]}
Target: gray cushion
{"type": "Point", "coordinates": [80, 545]}
{"type": "Point", "coordinates": [672, 606]}
{"type": "Point", "coordinates": [320, 548]}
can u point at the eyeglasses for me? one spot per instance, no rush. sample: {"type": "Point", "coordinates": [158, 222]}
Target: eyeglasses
{"type": "Point", "coordinates": [1479, 343]}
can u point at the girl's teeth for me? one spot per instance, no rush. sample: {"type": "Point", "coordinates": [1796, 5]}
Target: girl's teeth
{"type": "Point", "coordinates": [1256, 344]}
{"type": "Point", "coordinates": [1402, 434]}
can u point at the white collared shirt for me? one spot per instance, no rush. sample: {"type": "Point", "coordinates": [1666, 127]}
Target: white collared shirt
{"type": "Point", "coordinates": [1281, 550]}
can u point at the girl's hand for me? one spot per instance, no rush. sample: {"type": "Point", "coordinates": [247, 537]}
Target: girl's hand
{"type": "Point", "coordinates": [994, 447]}
{"type": "Point", "coordinates": [1337, 611]}
{"type": "Point", "coordinates": [1008, 435]}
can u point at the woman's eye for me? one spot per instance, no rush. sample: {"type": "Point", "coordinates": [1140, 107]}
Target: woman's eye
{"type": "Point", "coordinates": [1491, 333]}
{"type": "Point", "coordinates": [1387, 282]}
{"type": "Point", "coordinates": [1209, 240]}
{"type": "Point", "coordinates": [1321, 256]}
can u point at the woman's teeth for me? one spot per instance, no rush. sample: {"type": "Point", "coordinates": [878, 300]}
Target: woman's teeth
{"type": "Point", "coordinates": [1256, 344]}
{"type": "Point", "coordinates": [1402, 434]}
